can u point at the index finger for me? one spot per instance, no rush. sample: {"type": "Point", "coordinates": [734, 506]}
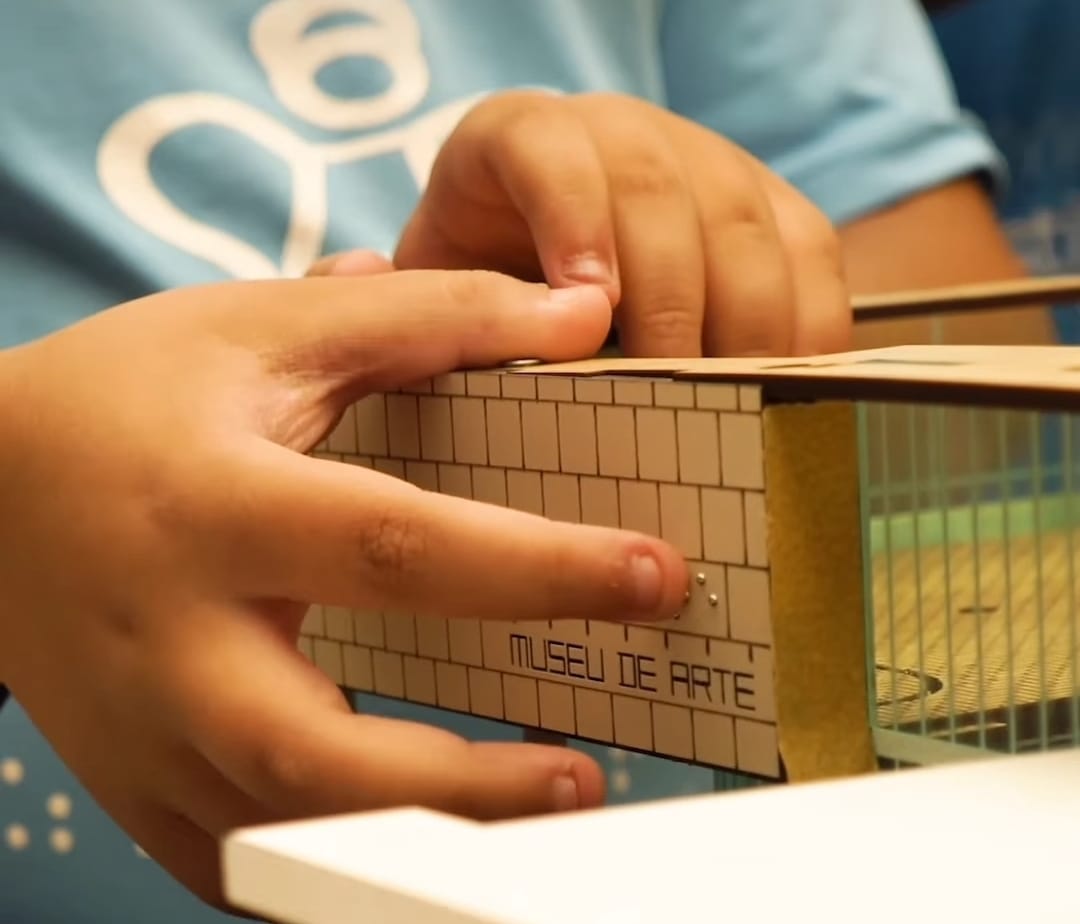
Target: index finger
{"type": "Point", "coordinates": [307, 529]}
{"type": "Point", "coordinates": [380, 332]}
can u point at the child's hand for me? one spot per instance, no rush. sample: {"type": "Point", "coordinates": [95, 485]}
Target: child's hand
{"type": "Point", "coordinates": [703, 249]}
{"type": "Point", "coordinates": [161, 532]}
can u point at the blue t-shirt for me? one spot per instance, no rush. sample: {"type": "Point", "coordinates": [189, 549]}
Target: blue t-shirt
{"type": "Point", "coordinates": [156, 143]}
{"type": "Point", "coordinates": [146, 144]}
{"type": "Point", "coordinates": [1017, 67]}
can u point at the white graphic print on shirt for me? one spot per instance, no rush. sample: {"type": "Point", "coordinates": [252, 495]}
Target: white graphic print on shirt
{"type": "Point", "coordinates": [290, 59]}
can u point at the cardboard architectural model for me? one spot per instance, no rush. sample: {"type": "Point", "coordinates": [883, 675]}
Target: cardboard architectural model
{"type": "Point", "coordinates": [750, 467]}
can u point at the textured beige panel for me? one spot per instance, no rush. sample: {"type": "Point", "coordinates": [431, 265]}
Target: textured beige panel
{"type": "Point", "coordinates": [819, 658]}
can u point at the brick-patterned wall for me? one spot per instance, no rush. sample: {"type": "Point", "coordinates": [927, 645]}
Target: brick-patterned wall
{"type": "Point", "coordinates": [674, 459]}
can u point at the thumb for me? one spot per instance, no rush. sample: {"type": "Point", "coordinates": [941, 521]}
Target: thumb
{"type": "Point", "coordinates": [378, 333]}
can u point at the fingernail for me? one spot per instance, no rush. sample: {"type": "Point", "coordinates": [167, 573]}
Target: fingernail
{"type": "Point", "coordinates": [648, 582]}
{"type": "Point", "coordinates": [360, 263]}
{"type": "Point", "coordinates": [564, 794]}
{"type": "Point", "coordinates": [573, 295]}
{"type": "Point", "coordinates": [588, 270]}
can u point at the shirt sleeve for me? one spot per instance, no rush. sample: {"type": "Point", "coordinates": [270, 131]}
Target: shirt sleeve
{"type": "Point", "coordinates": [850, 100]}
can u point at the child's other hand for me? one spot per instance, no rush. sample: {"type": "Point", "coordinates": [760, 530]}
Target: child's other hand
{"type": "Point", "coordinates": [703, 249]}
{"type": "Point", "coordinates": [162, 532]}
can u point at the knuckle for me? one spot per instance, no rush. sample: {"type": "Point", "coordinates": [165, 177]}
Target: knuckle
{"type": "Point", "coordinates": [465, 289]}
{"type": "Point", "coordinates": [668, 321]}
{"type": "Point", "coordinates": [284, 773]}
{"type": "Point", "coordinates": [510, 118]}
{"type": "Point", "coordinates": [646, 173]}
{"type": "Point", "coordinates": [739, 215]}
{"type": "Point", "coordinates": [811, 237]}
{"type": "Point", "coordinates": [392, 546]}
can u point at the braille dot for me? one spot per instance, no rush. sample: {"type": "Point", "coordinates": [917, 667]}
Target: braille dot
{"type": "Point", "coordinates": [17, 837]}
{"type": "Point", "coordinates": [11, 771]}
{"type": "Point", "coordinates": [713, 599]}
{"type": "Point", "coordinates": [700, 578]}
{"type": "Point", "coordinates": [58, 806]}
{"type": "Point", "coordinates": [61, 840]}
